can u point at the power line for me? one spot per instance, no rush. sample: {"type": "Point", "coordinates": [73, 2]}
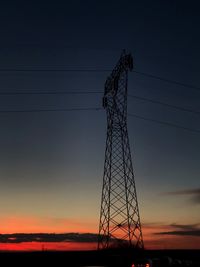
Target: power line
{"type": "Point", "coordinates": [165, 104]}
{"type": "Point", "coordinates": [102, 70]}
{"type": "Point", "coordinates": [50, 110]}
{"type": "Point", "coordinates": [54, 70]}
{"type": "Point", "coordinates": [99, 109]}
{"type": "Point", "coordinates": [60, 46]}
{"type": "Point", "coordinates": [99, 92]}
{"type": "Point", "coordinates": [164, 123]}
{"type": "Point", "coordinates": [50, 93]}
{"type": "Point", "coordinates": [167, 80]}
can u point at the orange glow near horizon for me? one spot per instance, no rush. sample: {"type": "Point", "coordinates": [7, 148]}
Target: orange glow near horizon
{"type": "Point", "coordinates": [47, 246]}
{"type": "Point", "coordinates": [159, 243]}
{"type": "Point", "coordinates": [31, 224]}
{"type": "Point", "coordinates": [16, 224]}
{"type": "Point", "coordinates": [153, 241]}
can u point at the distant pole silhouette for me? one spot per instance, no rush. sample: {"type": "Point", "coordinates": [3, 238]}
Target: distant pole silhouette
{"type": "Point", "coordinates": [119, 216]}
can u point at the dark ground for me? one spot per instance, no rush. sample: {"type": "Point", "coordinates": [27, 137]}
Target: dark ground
{"type": "Point", "coordinates": [109, 258]}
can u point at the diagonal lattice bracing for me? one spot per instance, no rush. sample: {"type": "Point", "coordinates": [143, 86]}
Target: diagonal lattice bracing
{"type": "Point", "coordinates": [119, 216]}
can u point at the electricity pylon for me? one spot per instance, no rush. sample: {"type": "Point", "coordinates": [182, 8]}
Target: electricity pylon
{"type": "Point", "coordinates": [119, 216]}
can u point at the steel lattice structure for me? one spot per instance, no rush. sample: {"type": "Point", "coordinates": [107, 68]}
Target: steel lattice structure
{"type": "Point", "coordinates": [119, 217]}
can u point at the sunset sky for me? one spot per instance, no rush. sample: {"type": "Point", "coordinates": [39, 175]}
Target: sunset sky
{"type": "Point", "coordinates": [51, 163]}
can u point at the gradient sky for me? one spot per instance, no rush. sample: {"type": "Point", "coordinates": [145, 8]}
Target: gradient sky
{"type": "Point", "coordinates": [51, 164]}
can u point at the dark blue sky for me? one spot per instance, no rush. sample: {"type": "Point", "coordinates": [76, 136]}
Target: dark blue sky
{"type": "Point", "coordinates": [58, 158]}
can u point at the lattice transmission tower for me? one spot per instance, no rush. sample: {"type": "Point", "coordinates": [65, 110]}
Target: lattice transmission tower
{"type": "Point", "coordinates": [119, 216]}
